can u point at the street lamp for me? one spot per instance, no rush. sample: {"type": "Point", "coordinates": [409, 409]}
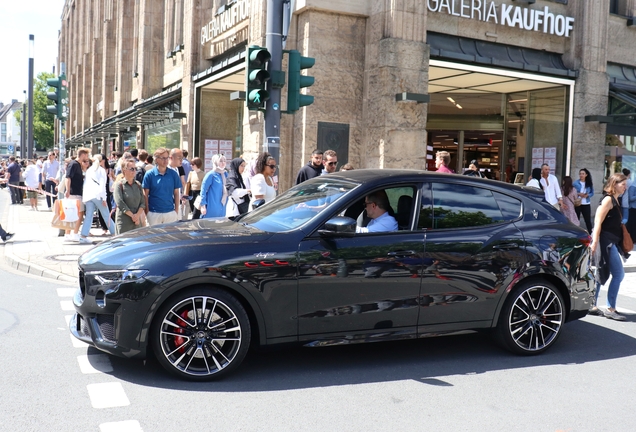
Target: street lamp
{"type": "Point", "coordinates": [29, 143]}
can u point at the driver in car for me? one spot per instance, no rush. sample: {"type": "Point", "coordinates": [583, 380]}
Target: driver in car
{"type": "Point", "coordinates": [377, 206]}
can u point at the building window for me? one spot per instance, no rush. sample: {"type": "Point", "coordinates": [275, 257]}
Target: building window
{"type": "Point", "coordinates": [618, 7]}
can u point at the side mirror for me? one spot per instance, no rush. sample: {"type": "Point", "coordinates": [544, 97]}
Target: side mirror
{"type": "Point", "coordinates": [339, 226]}
{"type": "Point", "coordinates": [257, 203]}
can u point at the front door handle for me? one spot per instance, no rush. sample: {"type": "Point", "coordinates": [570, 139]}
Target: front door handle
{"type": "Point", "coordinates": [401, 253]}
{"type": "Point", "coordinates": [506, 246]}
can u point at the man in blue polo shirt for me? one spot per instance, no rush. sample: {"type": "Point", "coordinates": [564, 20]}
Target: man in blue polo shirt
{"type": "Point", "coordinates": [161, 188]}
{"type": "Point", "coordinates": [13, 175]}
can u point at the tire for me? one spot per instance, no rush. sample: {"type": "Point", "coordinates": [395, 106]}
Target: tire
{"type": "Point", "coordinates": [532, 318]}
{"type": "Point", "coordinates": [208, 347]}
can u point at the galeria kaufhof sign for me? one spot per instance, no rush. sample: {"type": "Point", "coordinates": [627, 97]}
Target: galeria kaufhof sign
{"type": "Point", "coordinates": [525, 18]}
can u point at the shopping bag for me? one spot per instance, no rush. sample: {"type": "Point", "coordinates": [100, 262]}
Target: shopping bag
{"type": "Point", "coordinates": [57, 222]}
{"type": "Point", "coordinates": [70, 210]}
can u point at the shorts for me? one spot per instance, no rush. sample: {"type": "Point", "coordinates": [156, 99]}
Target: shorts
{"type": "Point", "coordinates": [161, 218]}
{"type": "Point", "coordinates": [32, 194]}
{"type": "Point", "coordinates": [79, 197]}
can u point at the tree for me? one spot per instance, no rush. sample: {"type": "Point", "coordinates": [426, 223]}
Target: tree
{"type": "Point", "coordinates": [43, 121]}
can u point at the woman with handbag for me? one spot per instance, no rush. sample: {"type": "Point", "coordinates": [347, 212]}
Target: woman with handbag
{"type": "Point", "coordinates": [263, 183]}
{"type": "Point", "coordinates": [239, 195]}
{"type": "Point", "coordinates": [608, 245]}
{"type": "Point", "coordinates": [130, 200]}
{"type": "Point", "coordinates": [193, 186]}
{"type": "Point", "coordinates": [94, 197]}
{"type": "Point", "coordinates": [213, 192]}
{"type": "Point", "coordinates": [570, 198]}
{"type": "Point", "coordinates": [585, 189]}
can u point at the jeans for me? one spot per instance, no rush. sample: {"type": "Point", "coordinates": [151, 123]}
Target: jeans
{"type": "Point", "coordinates": [16, 194]}
{"type": "Point", "coordinates": [584, 209]}
{"type": "Point", "coordinates": [49, 187]}
{"type": "Point", "coordinates": [91, 206]}
{"type": "Point", "coordinates": [618, 273]}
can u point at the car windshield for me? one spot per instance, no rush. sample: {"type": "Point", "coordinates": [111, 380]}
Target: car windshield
{"type": "Point", "coordinates": [298, 205]}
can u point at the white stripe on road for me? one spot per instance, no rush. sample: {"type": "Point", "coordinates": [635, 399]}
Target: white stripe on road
{"type": "Point", "coordinates": [107, 395]}
{"type": "Point", "coordinates": [122, 426]}
{"type": "Point", "coordinates": [67, 305]}
{"type": "Point", "coordinates": [94, 363]}
{"type": "Point", "coordinates": [78, 343]}
{"type": "Point", "coordinates": [66, 292]}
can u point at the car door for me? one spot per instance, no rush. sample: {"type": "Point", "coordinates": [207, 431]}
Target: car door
{"type": "Point", "coordinates": [472, 252]}
{"type": "Point", "coordinates": [364, 282]}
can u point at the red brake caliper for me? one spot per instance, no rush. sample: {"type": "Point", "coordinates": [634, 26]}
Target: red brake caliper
{"type": "Point", "coordinates": [178, 340]}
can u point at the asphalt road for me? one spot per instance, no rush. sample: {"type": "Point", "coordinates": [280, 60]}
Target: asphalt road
{"type": "Point", "coordinates": [586, 382]}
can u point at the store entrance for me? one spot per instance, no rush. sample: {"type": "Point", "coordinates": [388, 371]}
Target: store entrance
{"type": "Point", "coordinates": [483, 147]}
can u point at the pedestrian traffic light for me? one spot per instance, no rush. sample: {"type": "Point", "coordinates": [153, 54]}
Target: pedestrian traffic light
{"type": "Point", "coordinates": [296, 81]}
{"type": "Point", "coordinates": [256, 77]}
{"type": "Point", "coordinates": [59, 96]}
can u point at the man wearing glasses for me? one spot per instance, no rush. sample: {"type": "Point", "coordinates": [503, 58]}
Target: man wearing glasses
{"type": "Point", "coordinates": [330, 162]}
{"type": "Point", "coordinates": [377, 206]}
{"type": "Point", "coordinates": [161, 189]}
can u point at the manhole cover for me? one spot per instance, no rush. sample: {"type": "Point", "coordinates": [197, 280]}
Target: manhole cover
{"type": "Point", "coordinates": [63, 257]}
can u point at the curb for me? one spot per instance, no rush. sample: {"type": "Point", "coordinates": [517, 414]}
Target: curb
{"type": "Point", "coordinates": [34, 269]}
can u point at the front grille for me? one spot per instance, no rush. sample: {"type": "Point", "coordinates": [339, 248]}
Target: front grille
{"type": "Point", "coordinates": [82, 326]}
{"type": "Point", "coordinates": [106, 323]}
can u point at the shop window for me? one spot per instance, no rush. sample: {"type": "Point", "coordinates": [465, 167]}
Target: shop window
{"type": "Point", "coordinates": [460, 206]}
{"type": "Point", "coordinates": [619, 7]}
{"type": "Point", "coordinates": [620, 153]}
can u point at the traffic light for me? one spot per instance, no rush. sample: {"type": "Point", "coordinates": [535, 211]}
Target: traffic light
{"type": "Point", "coordinates": [59, 96]}
{"type": "Point", "coordinates": [296, 81]}
{"type": "Point", "coordinates": [257, 75]}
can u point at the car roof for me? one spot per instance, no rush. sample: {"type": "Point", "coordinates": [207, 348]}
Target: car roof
{"type": "Point", "coordinates": [370, 176]}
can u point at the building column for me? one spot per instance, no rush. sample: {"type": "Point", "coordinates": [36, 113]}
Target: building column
{"type": "Point", "coordinates": [396, 62]}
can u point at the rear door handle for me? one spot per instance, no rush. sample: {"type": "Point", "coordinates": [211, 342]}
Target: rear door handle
{"type": "Point", "coordinates": [506, 246]}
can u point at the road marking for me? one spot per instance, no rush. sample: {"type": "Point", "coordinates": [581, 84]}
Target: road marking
{"type": "Point", "coordinates": [66, 292]}
{"type": "Point", "coordinates": [78, 343]}
{"type": "Point", "coordinates": [94, 363]}
{"type": "Point", "coordinates": [122, 426]}
{"type": "Point", "coordinates": [67, 305]}
{"type": "Point", "coordinates": [107, 395]}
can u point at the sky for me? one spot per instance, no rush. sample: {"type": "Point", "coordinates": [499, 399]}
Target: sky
{"type": "Point", "coordinates": [18, 20]}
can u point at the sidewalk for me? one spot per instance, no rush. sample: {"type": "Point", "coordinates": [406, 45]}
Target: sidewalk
{"type": "Point", "coordinates": [36, 248]}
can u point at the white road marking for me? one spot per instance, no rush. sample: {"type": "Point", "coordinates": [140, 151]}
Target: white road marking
{"type": "Point", "coordinates": [68, 318]}
{"type": "Point", "coordinates": [67, 305]}
{"type": "Point", "coordinates": [122, 426]}
{"type": "Point", "coordinates": [107, 395]}
{"type": "Point", "coordinates": [66, 292]}
{"type": "Point", "coordinates": [94, 363]}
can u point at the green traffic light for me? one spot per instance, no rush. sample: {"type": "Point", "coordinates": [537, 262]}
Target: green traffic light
{"type": "Point", "coordinates": [256, 76]}
{"type": "Point", "coordinates": [296, 81]}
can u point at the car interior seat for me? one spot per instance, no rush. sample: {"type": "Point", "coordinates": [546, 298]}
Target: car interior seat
{"type": "Point", "coordinates": [403, 217]}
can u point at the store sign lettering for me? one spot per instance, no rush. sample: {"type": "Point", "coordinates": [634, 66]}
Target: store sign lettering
{"type": "Point", "coordinates": [237, 12]}
{"type": "Point", "coordinates": [539, 20]}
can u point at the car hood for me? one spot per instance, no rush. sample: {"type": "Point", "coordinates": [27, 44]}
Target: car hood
{"type": "Point", "coordinates": [134, 248]}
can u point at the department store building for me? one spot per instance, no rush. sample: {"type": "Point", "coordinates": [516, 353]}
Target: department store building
{"type": "Point", "coordinates": [512, 84]}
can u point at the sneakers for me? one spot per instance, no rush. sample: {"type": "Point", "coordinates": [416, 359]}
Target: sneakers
{"type": "Point", "coordinates": [595, 311]}
{"type": "Point", "coordinates": [72, 237]}
{"type": "Point", "coordinates": [614, 315]}
{"type": "Point", "coordinates": [8, 237]}
{"type": "Point", "coordinates": [85, 240]}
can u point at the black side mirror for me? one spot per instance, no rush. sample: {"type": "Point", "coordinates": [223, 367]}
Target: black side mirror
{"type": "Point", "coordinates": [340, 226]}
{"type": "Point", "coordinates": [257, 203]}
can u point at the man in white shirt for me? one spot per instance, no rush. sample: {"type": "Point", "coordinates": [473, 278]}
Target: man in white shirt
{"type": "Point", "coordinates": [50, 169]}
{"type": "Point", "coordinates": [551, 187]}
{"type": "Point", "coordinates": [377, 205]}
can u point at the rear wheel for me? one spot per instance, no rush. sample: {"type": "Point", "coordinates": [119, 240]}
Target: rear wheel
{"type": "Point", "coordinates": [201, 334]}
{"type": "Point", "coordinates": [532, 318]}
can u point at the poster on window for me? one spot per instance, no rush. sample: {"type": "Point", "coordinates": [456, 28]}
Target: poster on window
{"type": "Point", "coordinates": [537, 153]}
{"type": "Point", "coordinates": [536, 163]}
{"type": "Point", "coordinates": [550, 153]}
{"type": "Point", "coordinates": [210, 148]}
{"type": "Point", "coordinates": [225, 148]}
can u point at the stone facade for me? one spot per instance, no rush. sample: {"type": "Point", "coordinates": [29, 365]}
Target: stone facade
{"type": "Point", "coordinates": [120, 53]}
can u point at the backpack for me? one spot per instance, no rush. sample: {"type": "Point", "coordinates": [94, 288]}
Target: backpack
{"type": "Point", "coordinates": [141, 172]}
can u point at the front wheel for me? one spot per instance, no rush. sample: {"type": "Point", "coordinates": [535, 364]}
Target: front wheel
{"type": "Point", "coordinates": [201, 334]}
{"type": "Point", "coordinates": [532, 318]}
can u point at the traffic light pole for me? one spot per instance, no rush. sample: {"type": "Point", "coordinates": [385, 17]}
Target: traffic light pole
{"type": "Point", "coordinates": [29, 142]}
{"type": "Point", "coordinates": [274, 43]}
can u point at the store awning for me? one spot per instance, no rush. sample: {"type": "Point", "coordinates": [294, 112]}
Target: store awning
{"type": "Point", "coordinates": [447, 47]}
{"type": "Point", "coordinates": [621, 107]}
{"type": "Point", "coordinates": [143, 113]}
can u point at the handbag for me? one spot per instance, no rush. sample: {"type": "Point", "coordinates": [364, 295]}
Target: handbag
{"type": "Point", "coordinates": [57, 221]}
{"type": "Point", "coordinates": [577, 202]}
{"type": "Point", "coordinates": [243, 207]}
{"type": "Point", "coordinates": [197, 202]}
{"type": "Point", "coordinates": [627, 244]}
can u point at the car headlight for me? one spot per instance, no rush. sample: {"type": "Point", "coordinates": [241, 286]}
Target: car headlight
{"type": "Point", "coordinates": [118, 276]}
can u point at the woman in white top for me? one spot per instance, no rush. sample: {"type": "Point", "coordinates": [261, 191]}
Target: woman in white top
{"type": "Point", "coordinates": [535, 181]}
{"type": "Point", "coordinates": [94, 197]}
{"type": "Point", "coordinates": [262, 184]}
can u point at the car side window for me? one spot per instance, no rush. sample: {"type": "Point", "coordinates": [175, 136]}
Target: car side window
{"type": "Point", "coordinates": [459, 206]}
{"type": "Point", "coordinates": [401, 201]}
{"type": "Point", "coordinates": [510, 207]}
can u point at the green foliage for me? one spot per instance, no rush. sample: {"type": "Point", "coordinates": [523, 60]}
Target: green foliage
{"type": "Point", "coordinates": [43, 121]}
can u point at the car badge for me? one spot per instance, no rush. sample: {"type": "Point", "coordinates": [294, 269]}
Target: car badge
{"type": "Point", "coordinates": [325, 254]}
{"type": "Point", "coordinates": [264, 255]}
{"type": "Point", "coordinates": [535, 214]}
